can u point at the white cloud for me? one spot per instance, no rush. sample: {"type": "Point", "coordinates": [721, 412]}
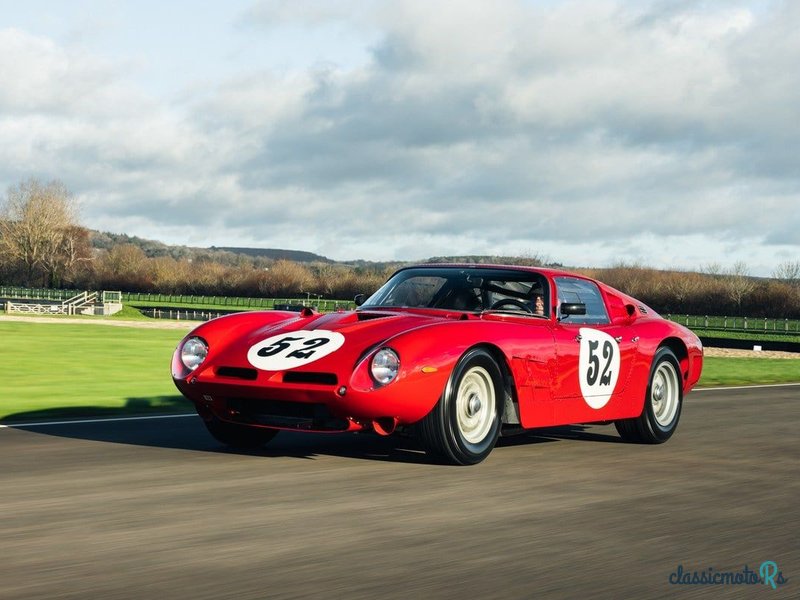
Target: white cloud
{"type": "Point", "coordinates": [582, 130]}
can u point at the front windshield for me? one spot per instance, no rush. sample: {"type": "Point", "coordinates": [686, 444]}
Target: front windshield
{"type": "Point", "coordinates": [464, 289]}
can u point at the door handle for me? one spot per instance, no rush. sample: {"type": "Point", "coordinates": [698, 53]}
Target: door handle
{"type": "Point", "coordinates": [618, 338]}
{"type": "Point", "coordinates": [636, 339]}
{"type": "Point", "coordinates": [578, 337]}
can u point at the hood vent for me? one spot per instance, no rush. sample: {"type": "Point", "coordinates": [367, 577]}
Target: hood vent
{"type": "Point", "coordinates": [366, 316]}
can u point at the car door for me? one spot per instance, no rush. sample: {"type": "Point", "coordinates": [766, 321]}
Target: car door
{"type": "Point", "coordinates": [593, 356]}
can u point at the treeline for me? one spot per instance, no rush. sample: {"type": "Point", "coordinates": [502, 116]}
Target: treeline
{"type": "Point", "coordinates": [128, 269]}
{"type": "Point", "coordinates": [715, 291]}
{"type": "Point", "coordinates": [43, 245]}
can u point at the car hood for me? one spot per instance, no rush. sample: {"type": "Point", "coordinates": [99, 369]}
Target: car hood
{"type": "Point", "coordinates": [355, 332]}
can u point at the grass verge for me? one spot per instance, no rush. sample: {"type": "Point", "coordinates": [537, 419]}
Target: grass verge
{"type": "Point", "coordinates": [85, 370]}
{"type": "Point", "coordinates": [719, 371]}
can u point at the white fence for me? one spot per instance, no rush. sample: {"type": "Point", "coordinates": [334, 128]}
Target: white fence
{"type": "Point", "coordinates": [36, 309]}
{"type": "Point", "coordinates": [85, 303]}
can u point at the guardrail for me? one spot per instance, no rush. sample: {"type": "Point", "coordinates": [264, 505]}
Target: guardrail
{"type": "Point", "coordinates": [189, 314]}
{"type": "Point", "coordinates": [182, 315]}
{"type": "Point", "coordinates": [23, 293]}
{"type": "Point", "coordinates": [781, 346]}
{"type": "Point", "coordinates": [227, 302]}
{"type": "Point", "coordinates": [235, 302]}
{"type": "Point", "coordinates": [751, 324]}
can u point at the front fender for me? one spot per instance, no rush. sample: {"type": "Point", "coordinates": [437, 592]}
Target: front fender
{"type": "Point", "coordinates": [429, 354]}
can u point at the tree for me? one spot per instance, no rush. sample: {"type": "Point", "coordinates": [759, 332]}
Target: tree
{"type": "Point", "coordinates": [285, 279]}
{"type": "Point", "coordinates": [124, 267]}
{"type": "Point", "coordinates": [39, 236]}
{"type": "Point", "coordinates": [681, 288]}
{"type": "Point", "coordinates": [788, 272]}
{"type": "Point", "coordinates": [738, 284]}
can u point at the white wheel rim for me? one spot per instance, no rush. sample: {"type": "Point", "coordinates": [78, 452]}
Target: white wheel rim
{"type": "Point", "coordinates": [475, 405]}
{"type": "Point", "coordinates": [665, 394]}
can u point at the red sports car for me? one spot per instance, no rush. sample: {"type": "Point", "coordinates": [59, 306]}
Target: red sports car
{"type": "Point", "coordinates": [456, 354]}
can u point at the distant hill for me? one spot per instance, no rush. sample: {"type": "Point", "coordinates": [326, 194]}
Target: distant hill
{"type": "Point", "coordinates": [227, 254]}
{"type": "Point", "coordinates": [103, 240]}
{"type": "Point", "coordinates": [276, 254]}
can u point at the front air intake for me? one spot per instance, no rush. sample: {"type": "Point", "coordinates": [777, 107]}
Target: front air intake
{"type": "Point", "coordinates": [310, 377]}
{"type": "Point", "coordinates": [237, 373]}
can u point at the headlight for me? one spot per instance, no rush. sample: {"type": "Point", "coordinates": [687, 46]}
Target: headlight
{"type": "Point", "coordinates": [384, 366]}
{"type": "Point", "coordinates": [194, 352]}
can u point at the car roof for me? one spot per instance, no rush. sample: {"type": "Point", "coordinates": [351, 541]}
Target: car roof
{"type": "Point", "coordinates": [541, 270]}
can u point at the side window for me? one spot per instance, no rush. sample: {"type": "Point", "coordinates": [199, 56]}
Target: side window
{"type": "Point", "coordinates": [574, 290]}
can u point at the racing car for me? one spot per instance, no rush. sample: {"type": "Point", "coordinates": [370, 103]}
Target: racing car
{"type": "Point", "coordinates": [456, 355]}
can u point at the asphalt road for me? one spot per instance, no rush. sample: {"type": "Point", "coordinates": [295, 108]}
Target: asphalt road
{"type": "Point", "coordinates": [156, 509]}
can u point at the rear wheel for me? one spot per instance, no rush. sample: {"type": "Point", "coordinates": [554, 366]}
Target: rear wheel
{"type": "Point", "coordinates": [662, 405]}
{"type": "Point", "coordinates": [239, 436]}
{"type": "Point", "coordinates": [464, 425]}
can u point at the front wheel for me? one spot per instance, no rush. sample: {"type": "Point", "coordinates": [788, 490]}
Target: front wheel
{"type": "Point", "coordinates": [662, 405]}
{"type": "Point", "coordinates": [239, 436]}
{"type": "Point", "coordinates": [464, 425]}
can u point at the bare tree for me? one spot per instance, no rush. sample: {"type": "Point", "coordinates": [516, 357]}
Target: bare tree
{"type": "Point", "coordinates": [788, 272]}
{"type": "Point", "coordinates": [713, 269]}
{"type": "Point", "coordinates": [39, 234]}
{"type": "Point", "coordinates": [681, 286]}
{"type": "Point", "coordinates": [327, 277]}
{"type": "Point", "coordinates": [170, 276]}
{"type": "Point", "coordinates": [738, 284]}
{"type": "Point", "coordinates": [286, 278]}
{"type": "Point", "coordinates": [71, 258]}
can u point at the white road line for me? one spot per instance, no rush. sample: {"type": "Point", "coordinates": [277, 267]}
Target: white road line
{"type": "Point", "coordinates": [743, 387]}
{"type": "Point", "coordinates": [82, 421]}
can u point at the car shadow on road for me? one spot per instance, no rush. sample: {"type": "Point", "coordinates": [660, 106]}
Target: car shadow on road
{"type": "Point", "coordinates": [187, 432]}
{"type": "Point", "coordinates": [581, 432]}
{"type": "Point", "coordinates": [134, 406]}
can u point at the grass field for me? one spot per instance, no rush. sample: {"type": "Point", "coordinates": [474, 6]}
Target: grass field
{"type": "Point", "coordinates": [70, 370]}
{"type": "Point", "coordinates": [53, 370]}
{"type": "Point", "coordinates": [755, 335]}
{"type": "Point", "coordinates": [746, 371]}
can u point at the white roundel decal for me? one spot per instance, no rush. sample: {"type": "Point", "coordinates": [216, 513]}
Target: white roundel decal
{"type": "Point", "coordinates": [598, 366]}
{"type": "Point", "coordinates": [293, 349]}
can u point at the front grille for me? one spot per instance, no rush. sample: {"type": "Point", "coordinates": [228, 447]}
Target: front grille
{"type": "Point", "coordinates": [310, 377]}
{"type": "Point", "coordinates": [238, 373]}
{"type": "Point", "coordinates": [279, 413]}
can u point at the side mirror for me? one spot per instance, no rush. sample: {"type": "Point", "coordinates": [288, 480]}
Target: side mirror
{"type": "Point", "coordinates": [359, 299]}
{"type": "Point", "coordinates": [572, 308]}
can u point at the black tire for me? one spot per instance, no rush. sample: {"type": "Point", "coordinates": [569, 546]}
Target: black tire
{"type": "Point", "coordinates": [463, 429]}
{"type": "Point", "coordinates": [662, 403]}
{"type": "Point", "coordinates": [237, 436]}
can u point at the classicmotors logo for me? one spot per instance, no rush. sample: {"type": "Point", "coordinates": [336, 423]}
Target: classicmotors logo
{"type": "Point", "coordinates": [767, 574]}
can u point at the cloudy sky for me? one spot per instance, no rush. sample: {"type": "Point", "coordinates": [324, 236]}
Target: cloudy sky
{"type": "Point", "coordinates": [590, 132]}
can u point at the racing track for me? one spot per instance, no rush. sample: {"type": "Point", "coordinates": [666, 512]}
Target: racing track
{"type": "Point", "coordinates": [155, 509]}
